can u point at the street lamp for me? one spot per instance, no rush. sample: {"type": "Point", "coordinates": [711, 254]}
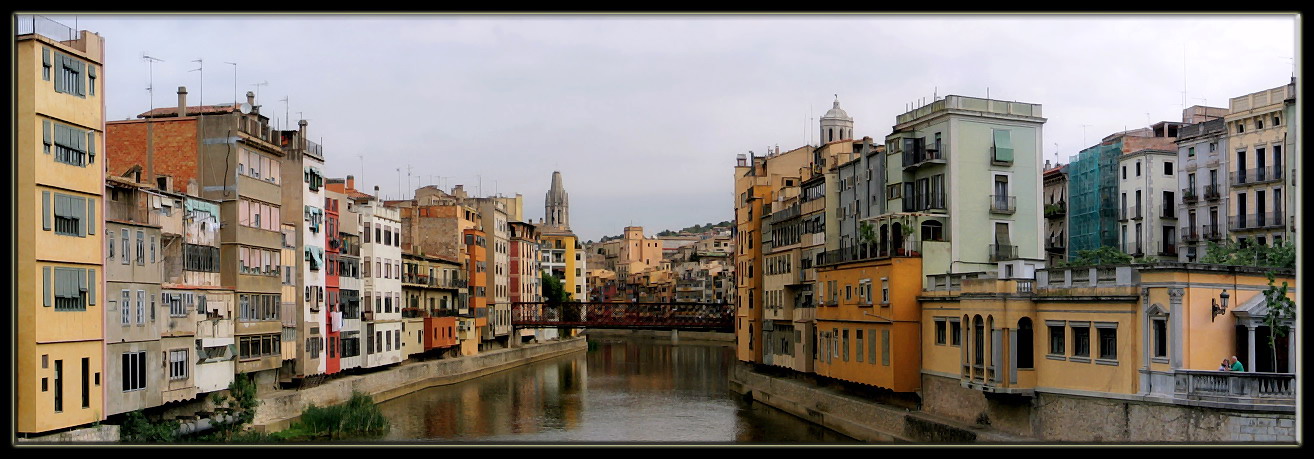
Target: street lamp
{"type": "Point", "coordinates": [1219, 310]}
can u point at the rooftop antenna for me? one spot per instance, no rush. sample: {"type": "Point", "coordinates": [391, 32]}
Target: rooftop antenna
{"type": "Point", "coordinates": [408, 179]}
{"type": "Point", "coordinates": [1083, 135]}
{"type": "Point", "coordinates": [362, 169]}
{"type": "Point", "coordinates": [200, 97]}
{"type": "Point", "coordinates": [287, 118]}
{"type": "Point", "coordinates": [399, 192]}
{"type": "Point", "coordinates": [150, 69]}
{"type": "Point", "coordinates": [234, 64]}
{"type": "Point", "coordinates": [258, 85]}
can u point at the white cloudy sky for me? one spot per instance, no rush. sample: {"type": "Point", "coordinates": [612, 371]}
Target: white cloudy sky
{"type": "Point", "coordinates": [644, 115]}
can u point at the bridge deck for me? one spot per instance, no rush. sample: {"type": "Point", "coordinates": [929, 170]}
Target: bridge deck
{"type": "Point", "coordinates": [634, 315]}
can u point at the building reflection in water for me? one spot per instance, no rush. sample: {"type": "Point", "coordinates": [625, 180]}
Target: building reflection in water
{"type": "Point", "coordinates": [636, 391]}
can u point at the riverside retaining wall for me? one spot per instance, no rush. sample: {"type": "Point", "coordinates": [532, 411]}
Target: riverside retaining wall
{"type": "Point", "coordinates": [669, 335]}
{"type": "Point", "coordinates": [277, 408]}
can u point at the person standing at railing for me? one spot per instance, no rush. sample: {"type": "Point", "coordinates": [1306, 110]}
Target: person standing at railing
{"type": "Point", "coordinates": [1236, 365]}
{"type": "Point", "coordinates": [1224, 366]}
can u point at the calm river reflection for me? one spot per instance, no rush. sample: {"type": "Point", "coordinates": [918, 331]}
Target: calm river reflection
{"type": "Point", "coordinates": [619, 391]}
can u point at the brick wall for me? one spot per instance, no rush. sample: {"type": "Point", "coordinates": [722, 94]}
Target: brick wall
{"type": "Point", "coordinates": [174, 143]}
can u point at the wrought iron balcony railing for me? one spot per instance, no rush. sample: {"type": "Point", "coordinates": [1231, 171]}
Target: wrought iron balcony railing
{"type": "Point", "coordinates": [1003, 204]}
{"type": "Point", "coordinates": [1000, 252]}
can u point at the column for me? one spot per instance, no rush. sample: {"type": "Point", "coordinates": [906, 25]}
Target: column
{"type": "Point", "coordinates": [1175, 337]}
{"type": "Point", "coordinates": [1250, 344]}
{"type": "Point", "coordinates": [1291, 349]}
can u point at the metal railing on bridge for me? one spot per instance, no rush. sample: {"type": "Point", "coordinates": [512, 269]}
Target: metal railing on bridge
{"type": "Point", "coordinates": [632, 315]}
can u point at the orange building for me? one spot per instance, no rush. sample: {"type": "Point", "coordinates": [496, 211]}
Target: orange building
{"type": "Point", "coordinates": [868, 318]}
{"type": "Point", "coordinates": [476, 259]}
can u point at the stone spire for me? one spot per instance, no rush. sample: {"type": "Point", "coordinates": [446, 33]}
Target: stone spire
{"type": "Point", "coordinates": [557, 204]}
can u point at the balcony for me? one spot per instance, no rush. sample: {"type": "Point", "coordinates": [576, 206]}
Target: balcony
{"type": "Point", "coordinates": [1001, 204]}
{"type": "Point", "coordinates": [1211, 232]}
{"type": "Point", "coordinates": [1055, 245]}
{"type": "Point", "coordinates": [1135, 249]}
{"type": "Point", "coordinates": [1057, 210]}
{"type": "Point", "coordinates": [1135, 212]}
{"type": "Point", "coordinates": [1189, 196]}
{"type": "Point", "coordinates": [999, 252]}
{"type": "Point", "coordinates": [1167, 249]}
{"type": "Point", "coordinates": [867, 252]}
{"type": "Point", "coordinates": [1255, 221]}
{"type": "Point", "coordinates": [1237, 390]}
{"type": "Point", "coordinates": [1168, 212]}
{"type": "Point", "coordinates": [1256, 176]}
{"type": "Point", "coordinates": [1189, 234]}
{"type": "Point", "coordinates": [1212, 192]}
{"type": "Point", "coordinates": [922, 157]}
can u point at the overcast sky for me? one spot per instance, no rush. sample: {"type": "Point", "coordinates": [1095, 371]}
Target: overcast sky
{"type": "Point", "coordinates": [643, 115]}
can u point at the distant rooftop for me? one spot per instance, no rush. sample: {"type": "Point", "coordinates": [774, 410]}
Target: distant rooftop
{"type": "Point", "coordinates": [1002, 107]}
{"type": "Point", "coordinates": [164, 112]}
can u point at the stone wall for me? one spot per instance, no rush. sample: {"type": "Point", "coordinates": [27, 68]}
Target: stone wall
{"type": "Point", "coordinates": [1075, 418]}
{"type": "Point", "coordinates": [101, 433]}
{"type": "Point", "coordinates": [277, 408]}
{"type": "Point", "coordinates": [665, 335]}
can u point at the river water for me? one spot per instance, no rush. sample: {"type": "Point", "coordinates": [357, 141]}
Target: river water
{"type": "Point", "coordinates": [620, 390]}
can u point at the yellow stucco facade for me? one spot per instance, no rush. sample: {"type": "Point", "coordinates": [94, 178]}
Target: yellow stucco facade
{"type": "Point", "coordinates": [868, 323]}
{"type": "Point", "coordinates": [59, 272]}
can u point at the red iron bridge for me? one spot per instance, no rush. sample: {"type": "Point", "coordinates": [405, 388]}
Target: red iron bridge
{"type": "Point", "coordinates": [626, 315]}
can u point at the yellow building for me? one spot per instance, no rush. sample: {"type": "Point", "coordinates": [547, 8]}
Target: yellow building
{"type": "Point", "coordinates": [867, 328]}
{"type": "Point", "coordinates": [59, 118]}
{"type": "Point", "coordinates": [1136, 332]}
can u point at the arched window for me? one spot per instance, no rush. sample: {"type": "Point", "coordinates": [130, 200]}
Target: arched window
{"type": "Point", "coordinates": [932, 230]}
{"type": "Point", "coordinates": [897, 237]}
{"type": "Point", "coordinates": [831, 133]}
{"type": "Point", "coordinates": [885, 239]}
{"type": "Point", "coordinates": [978, 340]}
{"type": "Point", "coordinates": [1025, 336]}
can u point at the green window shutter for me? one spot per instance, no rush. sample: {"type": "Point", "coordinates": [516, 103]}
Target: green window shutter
{"type": "Point", "coordinates": [91, 147]}
{"type": "Point", "coordinates": [59, 70]}
{"type": "Point", "coordinates": [45, 285]}
{"type": "Point", "coordinates": [1003, 145]}
{"type": "Point", "coordinates": [45, 63]}
{"type": "Point", "coordinates": [61, 207]}
{"type": "Point", "coordinates": [91, 286]}
{"type": "Point", "coordinates": [79, 206]}
{"type": "Point", "coordinates": [45, 210]}
{"type": "Point", "coordinates": [91, 216]}
{"type": "Point", "coordinates": [45, 132]}
{"type": "Point", "coordinates": [81, 68]}
{"type": "Point", "coordinates": [61, 135]}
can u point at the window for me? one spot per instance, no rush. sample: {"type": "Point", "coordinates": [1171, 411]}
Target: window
{"type": "Point", "coordinates": [857, 348]}
{"type": "Point", "coordinates": [1124, 172]}
{"type": "Point", "coordinates": [45, 64]}
{"type": "Point", "coordinates": [134, 371]}
{"type": "Point", "coordinates": [1108, 336]}
{"type": "Point", "coordinates": [73, 146]}
{"type": "Point", "coordinates": [68, 78]}
{"type": "Point", "coordinates": [1057, 334]}
{"type": "Point", "coordinates": [1240, 126]}
{"type": "Point", "coordinates": [1002, 148]}
{"type": "Point", "coordinates": [1259, 123]}
{"type": "Point", "coordinates": [1213, 146]}
{"type": "Point", "coordinates": [178, 364]}
{"type": "Point", "coordinates": [1138, 168]}
{"type": "Point", "coordinates": [1025, 350]}
{"type": "Point", "coordinates": [125, 306]}
{"type": "Point", "coordinates": [940, 324]}
{"type": "Point", "coordinates": [1160, 337]}
{"type": "Point", "coordinates": [59, 386]}
{"type": "Point", "coordinates": [955, 332]}
{"type": "Point", "coordinates": [109, 242]}
{"type": "Point", "coordinates": [1081, 340]}
{"type": "Point", "coordinates": [86, 382]}
{"type": "Point", "coordinates": [1190, 152]}
{"type": "Point", "coordinates": [845, 343]}
{"type": "Point", "coordinates": [176, 307]}
{"type": "Point", "coordinates": [152, 249]}
{"type": "Point", "coordinates": [141, 248]}
{"type": "Point", "coordinates": [1277, 121]}
{"type": "Point", "coordinates": [125, 254]}
{"type": "Point", "coordinates": [885, 291]}
{"type": "Point", "coordinates": [1168, 168]}
{"type": "Point", "coordinates": [71, 289]}
{"type": "Point", "coordinates": [70, 215]}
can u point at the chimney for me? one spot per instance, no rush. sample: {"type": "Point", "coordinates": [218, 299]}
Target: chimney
{"type": "Point", "coordinates": [376, 192]}
{"type": "Point", "coordinates": [351, 182]}
{"type": "Point", "coordinates": [301, 132]}
{"type": "Point", "coordinates": [182, 101]}
{"type": "Point", "coordinates": [250, 100]}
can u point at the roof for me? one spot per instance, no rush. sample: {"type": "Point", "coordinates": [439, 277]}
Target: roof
{"type": "Point", "coordinates": [193, 110]}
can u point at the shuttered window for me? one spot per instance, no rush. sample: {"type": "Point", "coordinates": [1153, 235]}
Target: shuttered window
{"type": "Point", "coordinates": [70, 213]}
{"type": "Point", "coordinates": [1003, 146]}
{"type": "Point", "coordinates": [70, 289]}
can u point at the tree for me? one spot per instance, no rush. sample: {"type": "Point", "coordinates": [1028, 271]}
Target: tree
{"type": "Point", "coordinates": [553, 291]}
{"type": "Point", "coordinates": [1281, 309]}
{"type": "Point", "coordinates": [240, 405]}
{"type": "Point", "coordinates": [1104, 255]}
{"type": "Point", "coordinates": [1233, 252]}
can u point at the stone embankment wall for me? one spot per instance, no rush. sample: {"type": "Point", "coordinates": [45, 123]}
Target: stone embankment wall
{"type": "Point", "coordinates": [277, 408]}
{"type": "Point", "coordinates": [104, 433]}
{"type": "Point", "coordinates": [858, 418]}
{"type": "Point", "coordinates": [1052, 417]}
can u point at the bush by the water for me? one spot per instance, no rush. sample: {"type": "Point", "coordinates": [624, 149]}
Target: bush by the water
{"type": "Point", "coordinates": [359, 416]}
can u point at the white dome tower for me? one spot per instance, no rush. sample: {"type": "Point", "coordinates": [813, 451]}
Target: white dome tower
{"type": "Point", "coordinates": [836, 124]}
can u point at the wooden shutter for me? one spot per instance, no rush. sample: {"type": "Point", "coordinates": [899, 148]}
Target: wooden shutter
{"type": "Point", "coordinates": [45, 131]}
{"type": "Point", "coordinates": [1003, 145]}
{"type": "Point", "coordinates": [45, 285]}
{"type": "Point", "coordinates": [91, 147]}
{"type": "Point", "coordinates": [45, 62]}
{"type": "Point", "coordinates": [79, 208]}
{"type": "Point", "coordinates": [58, 70]}
{"type": "Point", "coordinates": [91, 286]}
{"type": "Point", "coordinates": [91, 216]}
{"type": "Point", "coordinates": [45, 210]}
{"type": "Point", "coordinates": [80, 68]}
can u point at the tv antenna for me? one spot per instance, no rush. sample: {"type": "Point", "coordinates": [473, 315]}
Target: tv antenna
{"type": "Point", "coordinates": [1083, 135]}
{"type": "Point", "coordinates": [200, 98]}
{"type": "Point", "coordinates": [286, 118]}
{"type": "Point", "coordinates": [150, 69]}
{"type": "Point", "coordinates": [234, 64]}
{"type": "Point", "coordinates": [257, 91]}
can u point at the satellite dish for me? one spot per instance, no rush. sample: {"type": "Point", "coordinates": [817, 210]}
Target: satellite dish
{"type": "Point", "coordinates": [245, 108]}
